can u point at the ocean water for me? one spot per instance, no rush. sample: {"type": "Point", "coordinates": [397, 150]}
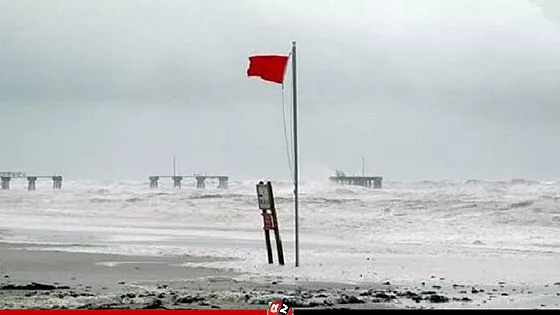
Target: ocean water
{"type": "Point", "coordinates": [478, 232]}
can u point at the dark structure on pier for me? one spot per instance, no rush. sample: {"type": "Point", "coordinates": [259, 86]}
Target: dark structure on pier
{"type": "Point", "coordinates": [154, 181]}
{"type": "Point", "coordinates": [200, 181]}
{"type": "Point", "coordinates": [364, 181]}
{"type": "Point", "coordinates": [6, 178]}
{"type": "Point", "coordinates": [5, 182]}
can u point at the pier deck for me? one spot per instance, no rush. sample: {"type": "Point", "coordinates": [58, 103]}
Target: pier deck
{"type": "Point", "coordinates": [200, 180]}
{"type": "Point", "coordinates": [364, 181]}
{"type": "Point", "coordinates": [6, 178]}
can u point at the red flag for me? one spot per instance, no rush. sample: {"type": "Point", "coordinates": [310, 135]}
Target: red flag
{"type": "Point", "coordinates": [269, 68]}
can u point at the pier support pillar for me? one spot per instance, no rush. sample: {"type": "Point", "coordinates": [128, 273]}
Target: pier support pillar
{"type": "Point", "coordinates": [5, 182]}
{"type": "Point", "coordinates": [223, 182]}
{"type": "Point", "coordinates": [154, 182]}
{"type": "Point", "coordinates": [177, 181]}
{"type": "Point", "coordinates": [57, 182]}
{"type": "Point", "coordinates": [31, 183]}
{"type": "Point", "coordinates": [200, 182]}
{"type": "Point", "coordinates": [364, 181]}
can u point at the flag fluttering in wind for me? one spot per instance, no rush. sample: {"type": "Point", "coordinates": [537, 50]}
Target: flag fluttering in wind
{"type": "Point", "coordinates": [268, 67]}
{"type": "Point", "coordinates": [272, 68]}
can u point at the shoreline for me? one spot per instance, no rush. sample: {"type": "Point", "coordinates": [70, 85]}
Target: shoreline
{"type": "Point", "coordinates": [48, 279]}
{"type": "Point", "coordinates": [108, 281]}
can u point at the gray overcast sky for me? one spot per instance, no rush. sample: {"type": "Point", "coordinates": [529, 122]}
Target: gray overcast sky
{"type": "Point", "coordinates": [424, 89]}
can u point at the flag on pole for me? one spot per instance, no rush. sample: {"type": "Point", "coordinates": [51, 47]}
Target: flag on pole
{"type": "Point", "coordinates": [268, 67]}
{"type": "Point", "coordinates": [272, 68]}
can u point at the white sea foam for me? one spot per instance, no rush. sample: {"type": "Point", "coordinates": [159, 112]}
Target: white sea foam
{"type": "Point", "coordinates": [473, 231]}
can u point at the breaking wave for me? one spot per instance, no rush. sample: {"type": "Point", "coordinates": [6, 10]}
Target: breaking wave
{"type": "Point", "coordinates": [489, 213]}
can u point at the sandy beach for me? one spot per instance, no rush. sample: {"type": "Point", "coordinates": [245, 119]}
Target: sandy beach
{"type": "Point", "coordinates": [55, 279]}
{"type": "Point", "coordinates": [58, 280]}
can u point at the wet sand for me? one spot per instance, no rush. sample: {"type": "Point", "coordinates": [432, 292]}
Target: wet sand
{"type": "Point", "coordinates": [47, 279]}
{"type": "Point", "coordinates": [19, 263]}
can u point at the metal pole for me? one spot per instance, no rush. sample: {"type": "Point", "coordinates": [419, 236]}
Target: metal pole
{"type": "Point", "coordinates": [296, 171]}
{"type": "Point", "coordinates": [363, 171]}
{"type": "Point", "coordinates": [174, 168]}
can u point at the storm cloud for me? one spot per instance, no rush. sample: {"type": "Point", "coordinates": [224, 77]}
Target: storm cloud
{"type": "Point", "coordinates": [421, 89]}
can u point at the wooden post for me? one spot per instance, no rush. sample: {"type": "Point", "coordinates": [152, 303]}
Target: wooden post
{"type": "Point", "coordinates": [267, 241]}
{"type": "Point", "coordinates": [57, 182]}
{"type": "Point", "coordinates": [270, 220]}
{"type": "Point", "coordinates": [177, 181]}
{"type": "Point", "coordinates": [276, 229]}
{"type": "Point", "coordinates": [154, 182]}
{"type": "Point", "coordinates": [200, 182]}
{"type": "Point", "coordinates": [31, 183]}
{"type": "Point", "coordinates": [5, 182]}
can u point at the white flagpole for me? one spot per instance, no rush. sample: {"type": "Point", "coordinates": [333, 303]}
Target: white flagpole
{"type": "Point", "coordinates": [296, 170]}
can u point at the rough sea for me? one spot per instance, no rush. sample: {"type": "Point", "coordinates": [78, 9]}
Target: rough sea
{"type": "Point", "coordinates": [478, 232]}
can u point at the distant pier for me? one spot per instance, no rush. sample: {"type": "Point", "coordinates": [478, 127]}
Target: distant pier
{"type": "Point", "coordinates": [6, 178]}
{"type": "Point", "coordinates": [200, 180]}
{"type": "Point", "coordinates": [364, 181]}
